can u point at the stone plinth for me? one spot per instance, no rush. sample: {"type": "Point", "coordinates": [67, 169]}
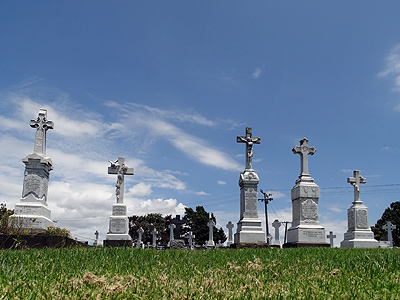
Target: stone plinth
{"type": "Point", "coordinates": [359, 234]}
{"type": "Point", "coordinates": [119, 223]}
{"type": "Point", "coordinates": [306, 230]}
{"type": "Point", "coordinates": [32, 211]}
{"type": "Point", "coordinates": [249, 228]}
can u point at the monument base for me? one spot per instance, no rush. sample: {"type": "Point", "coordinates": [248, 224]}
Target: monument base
{"type": "Point", "coordinates": [307, 234]}
{"type": "Point", "coordinates": [249, 231]}
{"type": "Point", "coordinates": [249, 245]}
{"type": "Point", "coordinates": [31, 215]}
{"type": "Point", "coordinates": [117, 243]}
{"type": "Point", "coordinates": [210, 244]}
{"type": "Point", "coordinates": [359, 239]}
{"type": "Point", "coordinates": [118, 237]}
{"type": "Point", "coordinates": [303, 244]}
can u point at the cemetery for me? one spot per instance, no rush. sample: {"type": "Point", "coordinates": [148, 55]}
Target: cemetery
{"type": "Point", "coordinates": [247, 263]}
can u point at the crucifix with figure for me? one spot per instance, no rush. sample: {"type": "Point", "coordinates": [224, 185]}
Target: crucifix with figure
{"type": "Point", "coordinates": [304, 150]}
{"type": "Point", "coordinates": [42, 125]}
{"type": "Point", "coordinates": [355, 182]}
{"type": "Point", "coordinates": [119, 168]}
{"type": "Point", "coordinates": [249, 140]}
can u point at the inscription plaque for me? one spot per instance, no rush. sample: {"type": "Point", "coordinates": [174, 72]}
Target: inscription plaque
{"type": "Point", "coordinates": [309, 209]}
{"type": "Point", "coordinates": [117, 226]}
{"type": "Point", "coordinates": [362, 219]}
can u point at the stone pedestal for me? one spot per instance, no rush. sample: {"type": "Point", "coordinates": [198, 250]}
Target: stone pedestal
{"type": "Point", "coordinates": [31, 211]}
{"type": "Point", "coordinates": [359, 234]}
{"type": "Point", "coordinates": [249, 228]}
{"type": "Point", "coordinates": [306, 230]}
{"type": "Point", "coordinates": [119, 224]}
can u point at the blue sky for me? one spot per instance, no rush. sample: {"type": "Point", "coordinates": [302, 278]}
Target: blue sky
{"type": "Point", "coordinates": [169, 86]}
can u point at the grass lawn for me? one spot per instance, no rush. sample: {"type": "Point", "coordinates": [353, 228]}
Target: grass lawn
{"type": "Point", "coordinates": [129, 273]}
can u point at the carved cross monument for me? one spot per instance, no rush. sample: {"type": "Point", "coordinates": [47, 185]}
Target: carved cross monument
{"type": "Point", "coordinates": [42, 125]}
{"type": "Point", "coordinates": [118, 234]}
{"type": "Point", "coordinates": [32, 211]}
{"type": "Point", "coordinates": [120, 168]}
{"type": "Point", "coordinates": [249, 140]}
{"type": "Point", "coordinates": [140, 232]}
{"type": "Point", "coordinates": [304, 150]}
{"type": "Point", "coordinates": [230, 226]}
{"type": "Point", "coordinates": [211, 224]}
{"type": "Point", "coordinates": [331, 236]}
{"type": "Point", "coordinates": [305, 230]}
{"type": "Point", "coordinates": [178, 223]}
{"type": "Point", "coordinates": [276, 225]}
{"type": "Point", "coordinates": [249, 228]}
{"type": "Point", "coordinates": [355, 182]}
{"type": "Point", "coordinates": [389, 227]}
{"type": "Point", "coordinates": [359, 234]}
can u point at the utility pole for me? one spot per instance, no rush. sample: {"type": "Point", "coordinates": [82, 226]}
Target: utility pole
{"type": "Point", "coordinates": [286, 223]}
{"type": "Point", "coordinates": [266, 199]}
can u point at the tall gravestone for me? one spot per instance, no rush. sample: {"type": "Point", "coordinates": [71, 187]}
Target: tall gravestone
{"type": "Point", "coordinates": [118, 234]}
{"type": "Point", "coordinates": [277, 242]}
{"type": "Point", "coordinates": [32, 210]}
{"type": "Point", "coordinates": [211, 225]}
{"type": "Point", "coordinates": [230, 226]}
{"type": "Point", "coordinates": [359, 234]}
{"type": "Point", "coordinates": [306, 230]}
{"type": "Point", "coordinates": [249, 228]}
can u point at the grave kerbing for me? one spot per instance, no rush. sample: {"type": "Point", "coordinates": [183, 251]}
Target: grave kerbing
{"type": "Point", "coordinates": [32, 211]}
{"type": "Point", "coordinates": [306, 230]}
{"type": "Point", "coordinates": [249, 228]}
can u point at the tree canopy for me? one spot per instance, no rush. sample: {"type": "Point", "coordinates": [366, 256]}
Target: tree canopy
{"type": "Point", "coordinates": [391, 214]}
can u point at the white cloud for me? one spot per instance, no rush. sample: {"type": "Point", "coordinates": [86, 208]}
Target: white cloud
{"type": "Point", "coordinates": [221, 182]}
{"type": "Point", "coordinates": [202, 193]}
{"type": "Point", "coordinates": [257, 73]}
{"type": "Point", "coordinates": [141, 189]}
{"type": "Point", "coordinates": [393, 66]}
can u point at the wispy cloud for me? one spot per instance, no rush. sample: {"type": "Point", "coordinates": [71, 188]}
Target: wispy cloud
{"type": "Point", "coordinates": [257, 73]}
{"type": "Point", "coordinates": [392, 68]}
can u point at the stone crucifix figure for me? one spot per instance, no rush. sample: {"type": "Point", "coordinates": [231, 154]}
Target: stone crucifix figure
{"type": "Point", "coordinates": [249, 140]}
{"type": "Point", "coordinates": [42, 125]}
{"type": "Point", "coordinates": [355, 182]}
{"type": "Point", "coordinates": [120, 168]}
{"type": "Point", "coordinates": [304, 150]}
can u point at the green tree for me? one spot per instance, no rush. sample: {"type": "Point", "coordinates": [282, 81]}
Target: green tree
{"type": "Point", "coordinates": [197, 222]}
{"type": "Point", "coordinates": [4, 218]}
{"type": "Point", "coordinates": [391, 214]}
{"type": "Point", "coordinates": [148, 222]}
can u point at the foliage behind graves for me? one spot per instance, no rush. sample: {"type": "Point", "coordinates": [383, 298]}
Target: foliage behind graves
{"type": "Point", "coordinates": [392, 214]}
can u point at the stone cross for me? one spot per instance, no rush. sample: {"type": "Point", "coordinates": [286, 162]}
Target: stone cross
{"type": "Point", "coordinates": [389, 227]}
{"type": "Point", "coordinates": [191, 236]}
{"type": "Point", "coordinates": [42, 125]}
{"type": "Point", "coordinates": [96, 242]}
{"type": "Point", "coordinates": [249, 140]}
{"type": "Point", "coordinates": [276, 225]}
{"type": "Point", "coordinates": [120, 168]}
{"type": "Point", "coordinates": [140, 232]}
{"type": "Point", "coordinates": [230, 236]}
{"type": "Point", "coordinates": [211, 224]}
{"type": "Point", "coordinates": [171, 232]}
{"type": "Point", "coordinates": [331, 236]}
{"type": "Point", "coordinates": [178, 222]}
{"type": "Point", "coordinates": [304, 150]}
{"type": "Point", "coordinates": [355, 182]}
{"type": "Point", "coordinates": [154, 234]}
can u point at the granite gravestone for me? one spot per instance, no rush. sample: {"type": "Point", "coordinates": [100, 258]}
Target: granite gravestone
{"type": "Point", "coordinates": [306, 230]}
{"type": "Point", "coordinates": [277, 241]}
{"type": "Point", "coordinates": [32, 211]}
{"type": "Point", "coordinates": [359, 234]}
{"type": "Point", "coordinates": [389, 227]}
{"type": "Point", "coordinates": [249, 228]}
{"type": "Point", "coordinates": [178, 225]}
{"type": "Point", "coordinates": [118, 234]}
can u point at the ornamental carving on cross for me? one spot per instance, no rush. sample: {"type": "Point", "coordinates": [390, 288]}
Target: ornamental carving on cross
{"type": "Point", "coordinates": [304, 150]}
{"type": "Point", "coordinates": [249, 140]}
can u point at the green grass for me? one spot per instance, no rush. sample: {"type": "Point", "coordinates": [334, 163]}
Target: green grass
{"type": "Point", "coordinates": [124, 273]}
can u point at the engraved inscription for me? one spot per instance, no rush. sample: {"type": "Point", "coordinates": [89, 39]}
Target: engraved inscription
{"type": "Point", "coordinates": [350, 219]}
{"type": "Point", "coordinates": [251, 202]}
{"type": "Point", "coordinates": [32, 184]}
{"type": "Point", "coordinates": [309, 209]}
{"type": "Point", "coordinates": [119, 210]}
{"type": "Point", "coordinates": [117, 226]}
{"type": "Point", "coordinates": [362, 219]}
